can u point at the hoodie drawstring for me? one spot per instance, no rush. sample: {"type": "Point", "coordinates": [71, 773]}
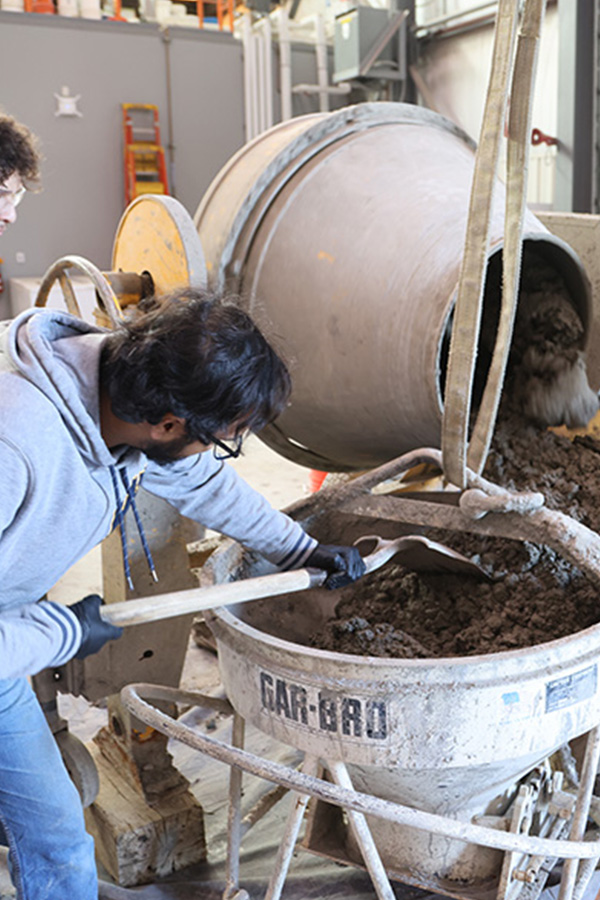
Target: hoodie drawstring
{"type": "Point", "coordinates": [121, 525]}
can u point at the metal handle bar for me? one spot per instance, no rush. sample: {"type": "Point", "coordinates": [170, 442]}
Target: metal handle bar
{"type": "Point", "coordinates": [392, 470]}
{"type": "Point", "coordinates": [330, 793]}
{"type": "Point", "coordinates": [104, 290]}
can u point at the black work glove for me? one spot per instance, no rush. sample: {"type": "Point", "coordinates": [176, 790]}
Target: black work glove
{"type": "Point", "coordinates": [95, 631]}
{"type": "Point", "coordinates": [345, 564]}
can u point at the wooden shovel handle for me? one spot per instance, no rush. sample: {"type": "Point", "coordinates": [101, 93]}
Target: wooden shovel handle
{"type": "Point", "coordinates": [194, 600]}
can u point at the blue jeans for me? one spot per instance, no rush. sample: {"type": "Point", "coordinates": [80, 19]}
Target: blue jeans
{"type": "Point", "coordinates": [51, 855]}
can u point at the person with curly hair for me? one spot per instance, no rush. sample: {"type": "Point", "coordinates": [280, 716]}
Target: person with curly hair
{"type": "Point", "coordinates": [19, 167]}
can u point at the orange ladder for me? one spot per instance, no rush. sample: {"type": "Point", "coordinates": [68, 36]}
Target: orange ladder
{"type": "Point", "coordinates": [224, 12]}
{"type": "Point", "coordinates": [144, 155]}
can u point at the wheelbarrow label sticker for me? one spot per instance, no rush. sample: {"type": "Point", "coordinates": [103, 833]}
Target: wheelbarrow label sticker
{"type": "Point", "coordinates": [571, 689]}
{"type": "Point", "coordinates": [363, 720]}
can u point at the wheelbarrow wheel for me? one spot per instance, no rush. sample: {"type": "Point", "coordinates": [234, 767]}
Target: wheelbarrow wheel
{"type": "Point", "coordinates": [80, 766]}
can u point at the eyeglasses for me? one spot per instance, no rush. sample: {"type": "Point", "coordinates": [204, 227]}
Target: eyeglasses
{"type": "Point", "coordinates": [226, 449]}
{"type": "Point", "coordinates": [12, 197]}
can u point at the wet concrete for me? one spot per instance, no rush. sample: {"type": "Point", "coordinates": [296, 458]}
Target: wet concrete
{"type": "Point", "coordinates": [534, 596]}
{"type": "Point", "coordinates": [548, 377]}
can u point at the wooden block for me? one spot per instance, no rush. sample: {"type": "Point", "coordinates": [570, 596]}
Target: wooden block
{"type": "Point", "coordinates": [137, 843]}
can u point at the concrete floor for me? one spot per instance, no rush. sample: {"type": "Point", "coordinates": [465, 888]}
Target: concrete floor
{"type": "Point", "coordinates": [280, 480]}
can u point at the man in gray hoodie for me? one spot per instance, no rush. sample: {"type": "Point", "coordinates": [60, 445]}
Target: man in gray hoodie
{"type": "Point", "coordinates": [85, 416]}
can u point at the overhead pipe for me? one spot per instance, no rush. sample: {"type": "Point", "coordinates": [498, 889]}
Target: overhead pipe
{"type": "Point", "coordinates": [439, 31]}
{"type": "Point", "coordinates": [285, 65]}
{"type": "Point", "coordinates": [268, 71]}
{"type": "Point", "coordinates": [322, 74]}
{"type": "Point", "coordinates": [250, 85]}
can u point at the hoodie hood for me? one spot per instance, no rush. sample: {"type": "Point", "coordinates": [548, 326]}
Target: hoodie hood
{"type": "Point", "coordinates": [60, 355]}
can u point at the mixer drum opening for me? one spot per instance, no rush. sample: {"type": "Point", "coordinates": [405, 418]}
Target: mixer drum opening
{"type": "Point", "coordinates": [552, 279]}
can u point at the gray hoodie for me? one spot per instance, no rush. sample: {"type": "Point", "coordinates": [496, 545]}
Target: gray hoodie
{"type": "Point", "coordinates": [57, 485]}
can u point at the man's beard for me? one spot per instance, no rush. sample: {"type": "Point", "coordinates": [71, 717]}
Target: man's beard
{"type": "Point", "coordinates": [163, 453]}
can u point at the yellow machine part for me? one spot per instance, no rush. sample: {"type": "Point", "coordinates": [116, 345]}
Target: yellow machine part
{"type": "Point", "coordinates": [157, 235]}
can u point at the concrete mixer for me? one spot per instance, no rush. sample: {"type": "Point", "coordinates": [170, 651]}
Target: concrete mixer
{"type": "Point", "coordinates": [351, 266]}
{"type": "Point", "coordinates": [343, 234]}
{"type": "Point", "coordinates": [442, 766]}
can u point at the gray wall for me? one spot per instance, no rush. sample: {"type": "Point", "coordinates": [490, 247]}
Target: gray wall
{"type": "Point", "coordinates": [108, 63]}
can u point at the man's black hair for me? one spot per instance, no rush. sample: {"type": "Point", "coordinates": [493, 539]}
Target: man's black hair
{"type": "Point", "coordinates": [199, 357]}
{"type": "Point", "coordinates": [18, 151]}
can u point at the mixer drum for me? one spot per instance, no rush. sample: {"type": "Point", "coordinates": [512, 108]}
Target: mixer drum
{"type": "Point", "coordinates": [343, 233]}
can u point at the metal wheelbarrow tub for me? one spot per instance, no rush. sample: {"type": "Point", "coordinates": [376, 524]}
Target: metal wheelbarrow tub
{"type": "Point", "coordinates": [449, 736]}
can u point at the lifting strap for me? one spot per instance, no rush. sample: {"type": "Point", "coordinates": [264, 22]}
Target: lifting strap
{"type": "Point", "coordinates": [467, 314]}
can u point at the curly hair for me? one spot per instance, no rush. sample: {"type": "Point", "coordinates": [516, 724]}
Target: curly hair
{"type": "Point", "coordinates": [198, 356]}
{"type": "Point", "coordinates": [18, 151]}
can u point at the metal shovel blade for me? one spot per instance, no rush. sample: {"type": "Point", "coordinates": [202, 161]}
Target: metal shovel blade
{"type": "Point", "coordinates": [413, 551]}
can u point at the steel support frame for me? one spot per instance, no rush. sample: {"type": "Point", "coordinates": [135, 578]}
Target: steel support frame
{"type": "Point", "coordinates": [305, 784]}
